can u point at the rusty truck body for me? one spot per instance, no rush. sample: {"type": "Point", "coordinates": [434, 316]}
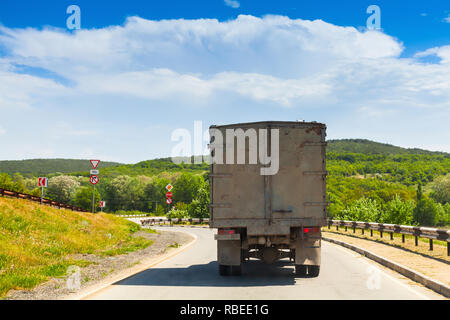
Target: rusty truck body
{"type": "Point", "coordinates": [268, 216]}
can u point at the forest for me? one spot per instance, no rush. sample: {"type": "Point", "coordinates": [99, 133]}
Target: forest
{"type": "Point", "coordinates": [367, 181]}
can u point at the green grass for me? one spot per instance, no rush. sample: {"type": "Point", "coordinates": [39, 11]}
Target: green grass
{"type": "Point", "coordinates": [38, 242]}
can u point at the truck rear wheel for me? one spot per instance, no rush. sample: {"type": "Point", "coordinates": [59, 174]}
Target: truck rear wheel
{"type": "Point", "coordinates": [300, 269]}
{"type": "Point", "coordinates": [313, 271]}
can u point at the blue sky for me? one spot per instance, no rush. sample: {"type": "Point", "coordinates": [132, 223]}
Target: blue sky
{"type": "Point", "coordinates": [138, 70]}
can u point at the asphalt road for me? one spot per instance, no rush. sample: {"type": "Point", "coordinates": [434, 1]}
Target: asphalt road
{"type": "Point", "coordinates": [193, 274]}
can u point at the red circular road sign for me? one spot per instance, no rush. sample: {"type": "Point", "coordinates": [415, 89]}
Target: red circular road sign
{"type": "Point", "coordinates": [169, 194]}
{"type": "Point", "coordinates": [94, 179]}
{"type": "Point", "coordinates": [169, 200]}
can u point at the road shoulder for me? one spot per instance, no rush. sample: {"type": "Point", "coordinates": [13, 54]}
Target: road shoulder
{"type": "Point", "coordinates": [412, 265]}
{"type": "Point", "coordinates": [103, 271]}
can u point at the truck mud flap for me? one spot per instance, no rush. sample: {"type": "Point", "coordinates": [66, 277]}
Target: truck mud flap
{"type": "Point", "coordinates": [229, 252]}
{"type": "Point", "coordinates": [308, 252]}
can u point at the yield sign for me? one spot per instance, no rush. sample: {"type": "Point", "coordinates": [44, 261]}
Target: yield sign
{"type": "Point", "coordinates": [95, 163]}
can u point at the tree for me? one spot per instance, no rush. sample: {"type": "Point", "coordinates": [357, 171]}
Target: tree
{"type": "Point", "coordinates": [125, 193]}
{"type": "Point", "coordinates": [62, 188]}
{"type": "Point", "coordinates": [443, 214]}
{"type": "Point", "coordinates": [397, 211]}
{"type": "Point", "coordinates": [83, 198]}
{"type": "Point", "coordinates": [186, 186]}
{"type": "Point", "coordinates": [426, 212]}
{"type": "Point", "coordinates": [363, 209]}
{"type": "Point", "coordinates": [440, 190]}
{"type": "Point", "coordinates": [419, 192]}
{"type": "Point", "coordinates": [199, 207]}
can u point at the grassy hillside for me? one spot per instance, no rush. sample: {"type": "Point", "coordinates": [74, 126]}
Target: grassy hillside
{"type": "Point", "coordinates": [37, 242]}
{"type": "Point", "coordinates": [37, 167]}
{"type": "Point", "coordinates": [372, 147]}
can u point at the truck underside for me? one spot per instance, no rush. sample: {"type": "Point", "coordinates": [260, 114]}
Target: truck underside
{"type": "Point", "coordinates": [301, 246]}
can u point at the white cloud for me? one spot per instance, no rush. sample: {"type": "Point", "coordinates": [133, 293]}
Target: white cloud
{"type": "Point", "coordinates": [441, 52]}
{"type": "Point", "coordinates": [232, 3]}
{"type": "Point", "coordinates": [447, 19]}
{"type": "Point", "coordinates": [246, 66]}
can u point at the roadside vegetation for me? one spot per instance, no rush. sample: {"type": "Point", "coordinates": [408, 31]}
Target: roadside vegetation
{"type": "Point", "coordinates": [367, 181]}
{"type": "Point", "coordinates": [39, 242]}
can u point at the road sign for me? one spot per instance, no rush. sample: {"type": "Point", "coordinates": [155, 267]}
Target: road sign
{"type": "Point", "coordinates": [95, 172]}
{"type": "Point", "coordinates": [43, 182]}
{"type": "Point", "coordinates": [94, 180]}
{"type": "Point", "coordinates": [95, 163]}
{"type": "Point", "coordinates": [169, 187]}
{"type": "Point", "coordinates": [169, 200]}
{"type": "Point", "coordinates": [102, 204]}
{"type": "Point", "coordinates": [169, 194]}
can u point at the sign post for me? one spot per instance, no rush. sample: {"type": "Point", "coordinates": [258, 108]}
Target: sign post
{"type": "Point", "coordinates": [94, 180]}
{"type": "Point", "coordinates": [43, 183]}
{"type": "Point", "coordinates": [169, 200]}
{"type": "Point", "coordinates": [102, 204]}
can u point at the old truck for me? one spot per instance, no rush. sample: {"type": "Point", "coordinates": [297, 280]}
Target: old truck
{"type": "Point", "coordinates": [274, 214]}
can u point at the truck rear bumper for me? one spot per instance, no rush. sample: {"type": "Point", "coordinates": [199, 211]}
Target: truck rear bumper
{"type": "Point", "coordinates": [259, 227]}
{"type": "Point", "coordinates": [235, 236]}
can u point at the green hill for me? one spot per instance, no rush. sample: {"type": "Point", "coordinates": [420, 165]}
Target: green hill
{"type": "Point", "coordinates": [337, 149]}
{"type": "Point", "coordinates": [37, 167]}
{"type": "Point", "coordinates": [371, 147]}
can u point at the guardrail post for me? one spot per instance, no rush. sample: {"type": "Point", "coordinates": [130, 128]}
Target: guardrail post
{"type": "Point", "coordinates": [371, 232]}
{"type": "Point", "coordinates": [345, 228]}
{"type": "Point", "coordinates": [362, 231]}
{"type": "Point", "coordinates": [431, 244]}
{"type": "Point", "coordinates": [381, 233]}
{"type": "Point", "coordinates": [392, 236]}
{"type": "Point", "coordinates": [448, 248]}
{"type": "Point", "coordinates": [403, 238]}
{"type": "Point", "coordinates": [337, 227]}
{"type": "Point", "coordinates": [416, 241]}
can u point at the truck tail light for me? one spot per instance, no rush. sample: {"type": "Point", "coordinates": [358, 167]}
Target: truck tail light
{"type": "Point", "coordinates": [310, 230]}
{"type": "Point", "coordinates": [226, 231]}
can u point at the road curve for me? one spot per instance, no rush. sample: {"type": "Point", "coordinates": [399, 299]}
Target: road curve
{"type": "Point", "coordinates": [193, 275]}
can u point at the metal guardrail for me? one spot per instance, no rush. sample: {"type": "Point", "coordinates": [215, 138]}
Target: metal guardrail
{"type": "Point", "coordinates": [417, 232]}
{"type": "Point", "coordinates": [131, 215]}
{"type": "Point", "coordinates": [19, 195]}
{"type": "Point", "coordinates": [163, 220]}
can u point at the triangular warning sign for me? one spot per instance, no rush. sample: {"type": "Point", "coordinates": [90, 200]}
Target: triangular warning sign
{"type": "Point", "coordinates": [95, 163]}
